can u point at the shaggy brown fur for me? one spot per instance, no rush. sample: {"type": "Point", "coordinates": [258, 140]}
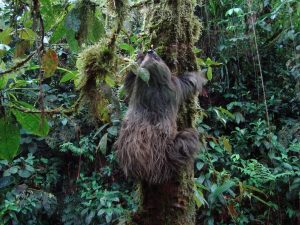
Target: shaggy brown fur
{"type": "Point", "coordinates": [149, 146]}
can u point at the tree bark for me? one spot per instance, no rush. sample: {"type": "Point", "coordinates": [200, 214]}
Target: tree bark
{"type": "Point", "coordinates": [173, 31]}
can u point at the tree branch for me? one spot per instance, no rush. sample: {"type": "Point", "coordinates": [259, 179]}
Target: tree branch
{"type": "Point", "coordinates": [59, 110]}
{"type": "Point", "coordinates": [18, 65]}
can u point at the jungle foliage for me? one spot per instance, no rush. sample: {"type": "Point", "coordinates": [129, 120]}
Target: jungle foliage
{"type": "Point", "coordinates": [57, 128]}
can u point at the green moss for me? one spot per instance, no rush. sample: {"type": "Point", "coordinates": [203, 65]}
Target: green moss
{"type": "Point", "coordinates": [173, 31]}
{"type": "Point", "coordinates": [93, 64]}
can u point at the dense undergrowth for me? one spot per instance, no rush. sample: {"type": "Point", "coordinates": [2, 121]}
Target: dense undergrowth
{"type": "Point", "coordinates": [64, 170]}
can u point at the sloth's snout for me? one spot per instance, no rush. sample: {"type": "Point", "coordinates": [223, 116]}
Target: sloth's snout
{"type": "Point", "coordinates": [152, 54]}
{"type": "Point", "coordinates": [150, 51]}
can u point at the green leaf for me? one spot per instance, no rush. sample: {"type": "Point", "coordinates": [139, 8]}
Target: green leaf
{"type": "Point", "coordinates": [95, 30]}
{"type": "Point", "coordinates": [224, 187]}
{"type": "Point", "coordinates": [90, 216]}
{"type": "Point", "coordinates": [143, 74]}
{"type": "Point", "coordinates": [196, 50]}
{"type": "Point", "coordinates": [27, 34]}
{"type": "Point", "coordinates": [227, 145]}
{"type": "Point", "coordinates": [3, 78]}
{"type": "Point", "coordinates": [5, 35]}
{"type": "Point", "coordinates": [237, 11]}
{"type": "Point", "coordinates": [6, 181]}
{"type": "Point", "coordinates": [127, 48]}
{"type": "Point", "coordinates": [9, 139]}
{"type": "Point", "coordinates": [109, 81]}
{"type": "Point", "coordinates": [209, 73]}
{"type": "Point", "coordinates": [68, 76]}
{"type": "Point", "coordinates": [35, 123]}
{"type": "Point", "coordinates": [201, 62]}
{"type": "Point", "coordinates": [49, 62]}
{"type": "Point", "coordinates": [199, 198]}
{"type": "Point", "coordinates": [58, 34]}
{"type": "Point", "coordinates": [113, 131]}
{"type": "Point", "coordinates": [11, 170]}
{"type": "Point", "coordinates": [24, 173]}
{"type": "Point", "coordinates": [103, 144]}
{"type": "Point", "coordinates": [73, 43]}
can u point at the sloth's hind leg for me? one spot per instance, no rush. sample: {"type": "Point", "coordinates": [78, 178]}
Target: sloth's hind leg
{"type": "Point", "coordinates": [186, 145]}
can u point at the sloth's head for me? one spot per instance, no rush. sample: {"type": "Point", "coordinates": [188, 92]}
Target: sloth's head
{"type": "Point", "coordinates": [157, 68]}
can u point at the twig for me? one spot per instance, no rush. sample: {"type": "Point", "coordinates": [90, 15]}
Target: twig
{"type": "Point", "coordinates": [37, 18]}
{"type": "Point", "coordinates": [18, 65]}
{"type": "Point", "coordinates": [260, 67]}
{"type": "Point", "coordinates": [59, 110]}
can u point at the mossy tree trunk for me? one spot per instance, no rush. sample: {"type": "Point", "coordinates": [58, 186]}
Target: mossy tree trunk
{"type": "Point", "coordinates": [173, 31]}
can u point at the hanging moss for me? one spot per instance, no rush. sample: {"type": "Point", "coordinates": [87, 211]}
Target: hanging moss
{"type": "Point", "coordinates": [98, 62]}
{"type": "Point", "coordinates": [94, 64]}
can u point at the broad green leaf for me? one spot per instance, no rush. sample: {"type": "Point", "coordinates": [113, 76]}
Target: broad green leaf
{"type": "Point", "coordinates": [49, 62]}
{"type": "Point", "coordinates": [6, 181]}
{"type": "Point", "coordinates": [226, 112]}
{"type": "Point", "coordinates": [221, 189]}
{"type": "Point", "coordinates": [227, 145]}
{"type": "Point", "coordinates": [24, 173]}
{"type": "Point", "coordinates": [5, 36]}
{"type": "Point", "coordinates": [208, 61]}
{"type": "Point", "coordinates": [199, 198]}
{"type": "Point", "coordinates": [201, 62]}
{"type": "Point", "coordinates": [109, 81]}
{"type": "Point", "coordinates": [9, 139]}
{"type": "Point", "coordinates": [21, 48]}
{"type": "Point", "coordinates": [35, 123]}
{"type": "Point", "coordinates": [133, 38]}
{"type": "Point", "coordinates": [143, 74]}
{"type": "Point", "coordinates": [89, 217]}
{"type": "Point", "coordinates": [209, 73]}
{"type": "Point", "coordinates": [11, 170]}
{"type": "Point", "coordinates": [199, 165]}
{"type": "Point", "coordinates": [68, 76]}
{"type": "Point", "coordinates": [113, 131]}
{"type": "Point", "coordinates": [196, 50]}
{"type": "Point", "coordinates": [237, 11]}
{"type": "Point", "coordinates": [103, 144]}
{"type": "Point", "coordinates": [96, 29]}
{"type": "Point", "coordinates": [27, 34]}
{"type": "Point", "coordinates": [58, 34]}
{"type": "Point", "coordinates": [3, 78]}
{"type": "Point", "coordinates": [127, 48]}
{"type": "Point", "coordinates": [73, 43]}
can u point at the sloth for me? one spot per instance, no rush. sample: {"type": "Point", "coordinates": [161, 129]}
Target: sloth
{"type": "Point", "coordinates": [149, 147]}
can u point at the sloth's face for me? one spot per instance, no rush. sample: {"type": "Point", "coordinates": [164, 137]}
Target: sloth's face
{"type": "Point", "coordinates": [156, 66]}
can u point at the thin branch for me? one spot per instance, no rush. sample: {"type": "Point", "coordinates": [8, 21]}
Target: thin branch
{"type": "Point", "coordinates": [59, 110]}
{"type": "Point", "coordinates": [38, 20]}
{"type": "Point", "coordinates": [260, 67]}
{"type": "Point", "coordinates": [18, 65]}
